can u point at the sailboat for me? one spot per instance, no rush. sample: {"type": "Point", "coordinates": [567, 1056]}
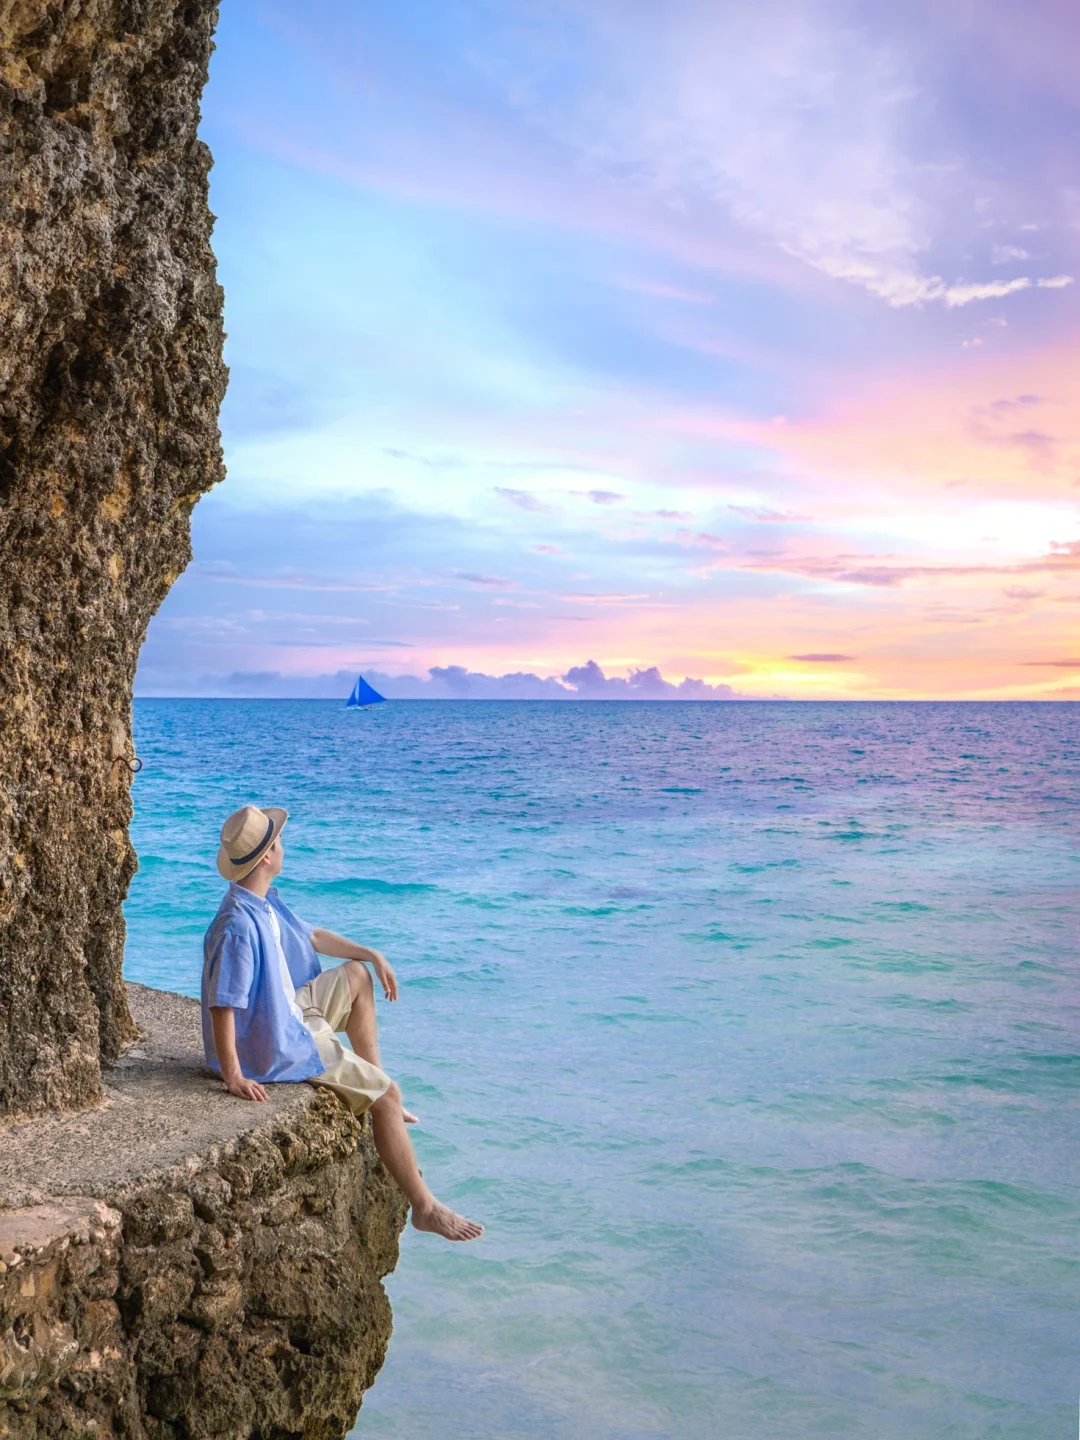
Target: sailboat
{"type": "Point", "coordinates": [363, 696]}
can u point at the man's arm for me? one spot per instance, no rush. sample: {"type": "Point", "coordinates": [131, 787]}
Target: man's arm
{"type": "Point", "coordinates": [338, 948]}
{"type": "Point", "coordinates": [224, 1022]}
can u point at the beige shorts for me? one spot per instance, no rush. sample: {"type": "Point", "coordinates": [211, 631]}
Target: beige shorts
{"type": "Point", "coordinates": [326, 1002]}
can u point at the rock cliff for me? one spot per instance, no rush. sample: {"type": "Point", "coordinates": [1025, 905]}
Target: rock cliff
{"type": "Point", "coordinates": [177, 1264]}
{"type": "Point", "coordinates": [110, 382]}
{"type": "Point", "coordinates": [174, 1263]}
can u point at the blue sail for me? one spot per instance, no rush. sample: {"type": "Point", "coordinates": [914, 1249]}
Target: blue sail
{"type": "Point", "coordinates": [363, 694]}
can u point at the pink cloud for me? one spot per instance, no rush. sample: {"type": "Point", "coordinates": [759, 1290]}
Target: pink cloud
{"type": "Point", "coordinates": [766, 515]}
{"type": "Point", "coordinates": [604, 497]}
{"type": "Point", "coordinates": [942, 426]}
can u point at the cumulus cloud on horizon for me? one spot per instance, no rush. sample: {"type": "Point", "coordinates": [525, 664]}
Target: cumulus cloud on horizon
{"type": "Point", "coordinates": [443, 682]}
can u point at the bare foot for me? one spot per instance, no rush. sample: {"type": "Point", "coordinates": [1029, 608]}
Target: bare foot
{"type": "Point", "coordinates": [441, 1220]}
{"type": "Point", "coordinates": [409, 1117]}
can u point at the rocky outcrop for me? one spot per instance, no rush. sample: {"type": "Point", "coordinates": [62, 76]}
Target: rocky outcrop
{"type": "Point", "coordinates": [110, 381]}
{"type": "Point", "coordinates": [180, 1264]}
{"type": "Point", "coordinates": [173, 1262]}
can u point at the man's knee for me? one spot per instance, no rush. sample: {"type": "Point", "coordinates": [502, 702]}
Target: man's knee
{"type": "Point", "coordinates": [391, 1096]}
{"type": "Point", "coordinates": [360, 985]}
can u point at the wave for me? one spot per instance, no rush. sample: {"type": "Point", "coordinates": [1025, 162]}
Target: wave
{"type": "Point", "coordinates": [353, 885]}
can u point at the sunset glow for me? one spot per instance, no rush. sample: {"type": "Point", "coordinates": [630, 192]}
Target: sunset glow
{"type": "Point", "coordinates": [739, 341]}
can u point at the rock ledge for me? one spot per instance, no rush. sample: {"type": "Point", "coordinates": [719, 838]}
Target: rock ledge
{"type": "Point", "coordinates": [178, 1263]}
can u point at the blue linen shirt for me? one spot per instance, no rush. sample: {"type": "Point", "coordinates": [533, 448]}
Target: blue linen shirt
{"type": "Point", "coordinates": [240, 969]}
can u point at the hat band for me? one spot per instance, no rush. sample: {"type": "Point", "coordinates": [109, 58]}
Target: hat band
{"type": "Point", "coordinates": [243, 860]}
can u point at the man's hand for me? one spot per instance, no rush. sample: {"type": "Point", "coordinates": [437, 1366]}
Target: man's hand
{"type": "Point", "coordinates": [338, 948]}
{"type": "Point", "coordinates": [224, 1022]}
{"type": "Point", "coordinates": [384, 974]}
{"type": "Point", "coordinates": [245, 1089]}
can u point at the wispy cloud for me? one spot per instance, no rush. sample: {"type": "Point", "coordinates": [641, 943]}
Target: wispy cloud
{"type": "Point", "coordinates": [989, 427]}
{"type": "Point", "coordinates": [667, 292]}
{"type": "Point", "coordinates": [885, 572]}
{"type": "Point", "coordinates": [523, 499]}
{"type": "Point", "coordinates": [796, 124]}
{"type": "Point", "coordinates": [495, 582]}
{"type": "Point", "coordinates": [1021, 402]}
{"type": "Point", "coordinates": [963, 294]}
{"type": "Point", "coordinates": [293, 582]}
{"type": "Point", "coordinates": [1008, 254]}
{"type": "Point", "coordinates": [767, 515]}
{"type": "Point", "coordinates": [583, 597]}
{"type": "Point", "coordinates": [702, 539]}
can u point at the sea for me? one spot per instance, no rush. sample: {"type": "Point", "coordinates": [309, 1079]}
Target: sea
{"type": "Point", "coordinates": [749, 1030]}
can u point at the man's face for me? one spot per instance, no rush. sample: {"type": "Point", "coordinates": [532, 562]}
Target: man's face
{"type": "Point", "coordinates": [275, 856]}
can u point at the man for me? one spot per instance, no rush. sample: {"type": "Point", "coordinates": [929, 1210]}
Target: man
{"type": "Point", "coordinates": [271, 1013]}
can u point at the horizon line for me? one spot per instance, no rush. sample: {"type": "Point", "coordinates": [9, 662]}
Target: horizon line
{"type": "Point", "coordinates": [629, 700]}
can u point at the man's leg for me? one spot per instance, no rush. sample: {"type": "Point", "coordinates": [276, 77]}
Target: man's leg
{"type": "Point", "coordinates": [362, 1027]}
{"type": "Point", "coordinates": [396, 1152]}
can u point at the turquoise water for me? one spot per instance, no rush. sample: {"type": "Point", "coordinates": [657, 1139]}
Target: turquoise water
{"type": "Point", "coordinates": [749, 1030]}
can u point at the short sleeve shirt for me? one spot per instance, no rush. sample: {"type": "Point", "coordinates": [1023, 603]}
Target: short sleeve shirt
{"type": "Point", "coordinates": [241, 970]}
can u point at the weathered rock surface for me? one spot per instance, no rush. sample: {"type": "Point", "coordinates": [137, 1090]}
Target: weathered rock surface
{"type": "Point", "coordinates": [110, 382]}
{"type": "Point", "coordinates": [183, 1264]}
{"type": "Point", "coordinates": [173, 1262]}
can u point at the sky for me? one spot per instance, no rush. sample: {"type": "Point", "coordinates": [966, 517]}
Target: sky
{"type": "Point", "coordinates": [731, 347]}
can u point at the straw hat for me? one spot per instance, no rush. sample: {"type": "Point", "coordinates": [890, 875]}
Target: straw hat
{"type": "Point", "coordinates": [246, 836]}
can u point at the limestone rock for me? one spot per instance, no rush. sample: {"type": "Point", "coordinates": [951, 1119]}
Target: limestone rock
{"type": "Point", "coordinates": [201, 1266]}
{"type": "Point", "coordinates": [110, 382]}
